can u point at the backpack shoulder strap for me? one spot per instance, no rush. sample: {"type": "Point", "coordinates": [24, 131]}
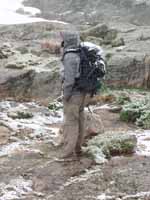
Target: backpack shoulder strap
{"type": "Point", "coordinates": [70, 51]}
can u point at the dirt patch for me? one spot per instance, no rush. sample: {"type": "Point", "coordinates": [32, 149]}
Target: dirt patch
{"type": "Point", "coordinates": [112, 122]}
{"type": "Point", "coordinates": [117, 179]}
{"type": "Point", "coordinates": [29, 168]}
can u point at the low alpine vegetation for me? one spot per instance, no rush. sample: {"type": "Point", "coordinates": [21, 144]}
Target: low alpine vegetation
{"type": "Point", "coordinates": [55, 106]}
{"type": "Point", "coordinates": [123, 99]}
{"type": "Point", "coordinates": [104, 146]}
{"type": "Point", "coordinates": [20, 115]}
{"type": "Point", "coordinates": [137, 112]}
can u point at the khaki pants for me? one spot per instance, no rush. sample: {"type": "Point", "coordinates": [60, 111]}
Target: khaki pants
{"type": "Point", "coordinates": [73, 126]}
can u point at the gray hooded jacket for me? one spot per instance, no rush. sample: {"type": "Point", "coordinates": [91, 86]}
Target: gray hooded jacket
{"type": "Point", "coordinates": [71, 63]}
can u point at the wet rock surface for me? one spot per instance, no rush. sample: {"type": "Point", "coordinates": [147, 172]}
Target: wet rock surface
{"type": "Point", "coordinates": [30, 169]}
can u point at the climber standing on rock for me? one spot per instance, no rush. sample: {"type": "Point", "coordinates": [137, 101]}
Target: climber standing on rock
{"type": "Point", "coordinates": [77, 83]}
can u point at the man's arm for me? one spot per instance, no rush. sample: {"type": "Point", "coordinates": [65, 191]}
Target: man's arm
{"type": "Point", "coordinates": [71, 64]}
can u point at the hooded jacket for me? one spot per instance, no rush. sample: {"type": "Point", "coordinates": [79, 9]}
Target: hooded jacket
{"type": "Point", "coordinates": [71, 62]}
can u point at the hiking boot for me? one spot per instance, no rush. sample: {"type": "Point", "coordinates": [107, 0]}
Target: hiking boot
{"type": "Point", "coordinates": [78, 150]}
{"type": "Point", "coordinates": [67, 155]}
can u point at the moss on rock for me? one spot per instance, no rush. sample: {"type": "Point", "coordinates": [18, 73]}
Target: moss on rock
{"type": "Point", "coordinates": [20, 115]}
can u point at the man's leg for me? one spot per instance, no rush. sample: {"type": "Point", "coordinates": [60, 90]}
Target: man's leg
{"type": "Point", "coordinates": [71, 125]}
{"type": "Point", "coordinates": [81, 135]}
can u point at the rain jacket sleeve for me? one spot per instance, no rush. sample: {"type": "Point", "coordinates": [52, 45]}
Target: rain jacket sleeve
{"type": "Point", "coordinates": [71, 64]}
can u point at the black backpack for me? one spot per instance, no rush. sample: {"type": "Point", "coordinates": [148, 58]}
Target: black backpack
{"type": "Point", "coordinates": [91, 70]}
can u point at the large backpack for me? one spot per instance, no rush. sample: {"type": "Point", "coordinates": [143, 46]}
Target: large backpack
{"type": "Point", "coordinates": [91, 70]}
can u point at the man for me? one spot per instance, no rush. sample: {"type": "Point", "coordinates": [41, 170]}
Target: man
{"type": "Point", "coordinates": [74, 100]}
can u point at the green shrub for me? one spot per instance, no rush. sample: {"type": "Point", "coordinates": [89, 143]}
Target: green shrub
{"type": "Point", "coordinates": [122, 99]}
{"type": "Point", "coordinates": [55, 106]}
{"type": "Point", "coordinates": [144, 120]}
{"type": "Point", "coordinates": [137, 112]}
{"type": "Point", "coordinates": [24, 115]}
{"type": "Point", "coordinates": [130, 112]}
{"type": "Point", "coordinates": [104, 146]}
{"type": "Point", "coordinates": [20, 115]}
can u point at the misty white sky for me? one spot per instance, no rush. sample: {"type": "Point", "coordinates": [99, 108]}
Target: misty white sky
{"type": "Point", "coordinates": [9, 16]}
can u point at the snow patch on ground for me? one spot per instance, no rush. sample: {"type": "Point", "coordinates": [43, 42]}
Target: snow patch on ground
{"type": "Point", "coordinates": [143, 144]}
{"type": "Point", "coordinates": [40, 126]}
{"type": "Point", "coordinates": [26, 132]}
{"type": "Point", "coordinates": [15, 189]}
{"type": "Point", "coordinates": [40, 123]}
{"type": "Point", "coordinates": [8, 15]}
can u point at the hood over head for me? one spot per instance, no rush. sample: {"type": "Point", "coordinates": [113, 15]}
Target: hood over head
{"type": "Point", "coordinates": [71, 40]}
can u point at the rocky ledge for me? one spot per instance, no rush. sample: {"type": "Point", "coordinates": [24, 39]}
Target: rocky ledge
{"type": "Point", "coordinates": [31, 71]}
{"type": "Point", "coordinates": [27, 69]}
